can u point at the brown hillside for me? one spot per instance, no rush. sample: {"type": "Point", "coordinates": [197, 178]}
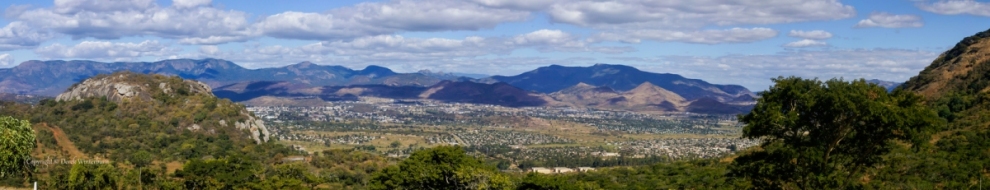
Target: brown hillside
{"type": "Point", "coordinates": [962, 69]}
{"type": "Point", "coordinates": [649, 94]}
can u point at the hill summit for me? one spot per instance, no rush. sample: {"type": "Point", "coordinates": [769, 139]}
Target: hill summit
{"type": "Point", "coordinates": [125, 85]}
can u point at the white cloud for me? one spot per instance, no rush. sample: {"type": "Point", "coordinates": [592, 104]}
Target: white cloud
{"type": "Point", "coordinates": [76, 6]}
{"type": "Point", "coordinates": [112, 19]}
{"type": "Point", "coordinates": [299, 25]}
{"type": "Point", "coordinates": [209, 50]}
{"type": "Point", "coordinates": [955, 7]}
{"type": "Point", "coordinates": [805, 43]}
{"type": "Point", "coordinates": [754, 71]}
{"type": "Point", "coordinates": [695, 14]}
{"type": "Point", "coordinates": [887, 20]}
{"type": "Point", "coordinates": [190, 3]}
{"type": "Point", "coordinates": [531, 5]}
{"type": "Point", "coordinates": [397, 49]}
{"type": "Point", "coordinates": [104, 50]}
{"type": "Point", "coordinates": [371, 19]}
{"type": "Point", "coordinates": [556, 40]}
{"type": "Point", "coordinates": [6, 60]}
{"type": "Point", "coordinates": [814, 34]}
{"type": "Point", "coordinates": [734, 35]}
{"type": "Point", "coordinates": [17, 35]}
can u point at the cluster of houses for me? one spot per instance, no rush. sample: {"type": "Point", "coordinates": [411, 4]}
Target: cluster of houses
{"type": "Point", "coordinates": [557, 170]}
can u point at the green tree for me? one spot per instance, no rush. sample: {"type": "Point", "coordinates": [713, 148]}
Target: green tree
{"type": "Point", "coordinates": [93, 176]}
{"type": "Point", "coordinates": [395, 144]}
{"type": "Point", "coordinates": [823, 135]}
{"type": "Point", "coordinates": [232, 172]}
{"type": "Point", "coordinates": [16, 142]}
{"type": "Point", "coordinates": [443, 167]}
{"type": "Point", "coordinates": [141, 158]}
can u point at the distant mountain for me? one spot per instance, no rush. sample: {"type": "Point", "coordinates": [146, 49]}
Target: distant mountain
{"type": "Point", "coordinates": [448, 91]}
{"type": "Point", "coordinates": [585, 95]}
{"type": "Point", "coordinates": [619, 77]}
{"type": "Point", "coordinates": [608, 86]}
{"type": "Point", "coordinates": [52, 77]}
{"type": "Point", "coordinates": [452, 75]}
{"type": "Point", "coordinates": [645, 97]}
{"type": "Point", "coordinates": [886, 84]}
{"type": "Point", "coordinates": [22, 98]}
{"type": "Point", "coordinates": [480, 93]}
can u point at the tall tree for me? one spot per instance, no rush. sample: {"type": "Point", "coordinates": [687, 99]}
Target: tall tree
{"type": "Point", "coordinates": [824, 134]}
{"type": "Point", "coordinates": [16, 142]}
{"type": "Point", "coordinates": [443, 167]}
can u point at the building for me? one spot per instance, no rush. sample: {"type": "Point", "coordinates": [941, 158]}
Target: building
{"type": "Point", "coordinates": [541, 170]}
{"type": "Point", "coordinates": [562, 170]}
{"type": "Point", "coordinates": [585, 169]}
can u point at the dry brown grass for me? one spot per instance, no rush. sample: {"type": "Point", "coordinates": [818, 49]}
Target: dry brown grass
{"type": "Point", "coordinates": [63, 142]}
{"type": "Point", "coordinates": [977, 53]}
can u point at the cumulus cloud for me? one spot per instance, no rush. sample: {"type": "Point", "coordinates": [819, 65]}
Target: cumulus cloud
{"type": "Point", "coordinates": [814, 34]}
{"type": "Point", "coordinates": [955, 7]}
{"type": "Point", "coordinates": [187, 21]}
{"type": "Point", "coordinates": [556, 40]}
{"type": "Point", "coordinates": [694, 14]}
{"type": "Point", "coordinates": [754, 71]}
{"type": "Point", "coordinates": [371, 19]}
{"type": "Point", "coordinates": [399, 49]}
{"type": "Point", "coordinates": [190, 3]}
{"type": "Point", "coordinates": [76, 6]}
{"type": "Point", "coordinates": [805, 43]}
{"type": "Point", "coordinates": [532, 5]}
{"type": "Point", "coordinates": [734, 35]}
{"type": "Point", "coordinates": [6, 60]}
{"type": "Point", "coordinates": [105, 50]}
{"type": "Point", "coordinates": [17, 35]}
{"type": "Point", "coordinates": [887, 20]}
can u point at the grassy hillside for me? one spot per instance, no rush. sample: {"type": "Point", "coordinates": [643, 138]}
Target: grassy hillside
{"type": "Point", "coordinates": [177, 137]}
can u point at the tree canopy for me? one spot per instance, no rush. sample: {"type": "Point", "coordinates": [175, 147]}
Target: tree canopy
{"type": "Point", "coordinates": [16, 142]}
{"type": "Point", "coordinates": [443, 167]}
{"type": "Point", "coordinates": [825, 134]}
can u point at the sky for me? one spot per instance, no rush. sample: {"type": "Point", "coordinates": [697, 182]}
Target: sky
{"type": "Point", "coordinates": [743, 42]}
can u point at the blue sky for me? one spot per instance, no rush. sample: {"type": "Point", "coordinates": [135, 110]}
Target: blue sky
{"type": "Point", "coordinates": [744, 42]}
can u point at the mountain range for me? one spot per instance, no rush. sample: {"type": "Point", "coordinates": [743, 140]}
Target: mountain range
{"type": "Point", "coordinates": [50, 78]}
{"type": "Point", "coordinates": [604, 86]}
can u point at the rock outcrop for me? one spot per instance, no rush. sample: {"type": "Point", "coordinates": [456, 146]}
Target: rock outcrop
{"type": "Point", "coordinates": [257, 128]}
{"type": "Point", "coordinates": [124, 87]}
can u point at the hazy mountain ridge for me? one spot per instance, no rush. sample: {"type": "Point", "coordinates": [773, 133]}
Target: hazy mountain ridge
{"type": "Point", "coordinates": [52, 77]}
{"type": "Point", "coordinates": [554, 78]}
{"type": "Point", "coordinates": [310, 82]}
{"type": "Point", "coordinates": [890, 85]}
{"type": "Point", "coordinates": [645, 97]}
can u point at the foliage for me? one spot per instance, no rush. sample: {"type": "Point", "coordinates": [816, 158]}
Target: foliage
{"type": "Point", "coordinates": [826, 134]}
{"type": "Point", "coordinates": [93, 176]}
{"type": "Point", "coordinates": [224, 173]}
{"type": "Point", "coordinates": [443, 167]}
{"type": "Point", "coordinates": [17, 139]}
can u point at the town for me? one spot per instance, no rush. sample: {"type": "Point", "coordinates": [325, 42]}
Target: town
{"type": "Point", "coordinates": [528, 137]}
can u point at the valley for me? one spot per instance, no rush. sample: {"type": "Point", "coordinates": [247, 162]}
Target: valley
{"type": "Point", "coordinates": [399, 127]}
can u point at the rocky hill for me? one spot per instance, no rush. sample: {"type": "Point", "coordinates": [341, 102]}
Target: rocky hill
{"type": "Point", "coordinates": [154, 125]}
{"type": "Point", "coordinates": [124, 87]}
